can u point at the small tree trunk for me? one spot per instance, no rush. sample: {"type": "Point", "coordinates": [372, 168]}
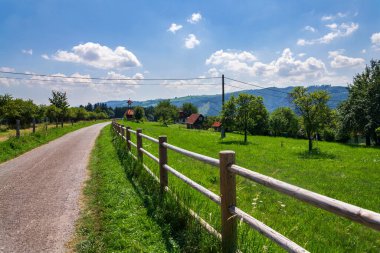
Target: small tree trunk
{"type": "Point", "coordinates": [367, 140]}
{"type": "Point", "coordinates": [310, 142]}
{"type": "Point", "coordinates": [56, 123]}
{"type": "Point", "coordinates": [245, 135]}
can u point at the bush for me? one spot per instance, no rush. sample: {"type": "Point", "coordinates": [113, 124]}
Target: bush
{"type": "Point", "coordinates": [328, 134]}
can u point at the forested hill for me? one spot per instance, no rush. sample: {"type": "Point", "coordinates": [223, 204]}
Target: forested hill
{"type": "Point", "coordinates": [273, 98]}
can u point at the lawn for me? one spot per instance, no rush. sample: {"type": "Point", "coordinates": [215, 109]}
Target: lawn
{"type": "Point", "coordinates": [12, 147]}
{"type": "Point", "coordinates": [348, 173]}
{"type": "Point", "coordinates": [120, 215]}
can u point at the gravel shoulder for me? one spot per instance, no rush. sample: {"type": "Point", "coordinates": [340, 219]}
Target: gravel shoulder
{"type": "Point", "coordinates": [39, 193]}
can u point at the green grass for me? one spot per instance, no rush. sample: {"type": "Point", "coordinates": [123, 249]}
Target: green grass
{"type": "Point", "coordinates": [123, 215]}
{"type": "Point", "coordinates": [14, 147]}
{"type": "Point", "coordinates": [348, 173]}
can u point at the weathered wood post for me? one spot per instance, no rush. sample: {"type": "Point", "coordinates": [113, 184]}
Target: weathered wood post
{"type": "Point", "coordinates": [34, 125]}
{"type": "Point", "coordinates": [163, 159]}
{"type": "Point", "coordinates": [128, 137]}
{"type": "Point", "coordinates": [17, 128]}
{"type": "Point", "coordinates": [139, 144]}
{"type": "Point", "coordinates": [228, 198]}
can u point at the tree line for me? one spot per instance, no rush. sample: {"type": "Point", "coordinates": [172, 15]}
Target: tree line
{"type": "Point", "coordinates": [59, 111]}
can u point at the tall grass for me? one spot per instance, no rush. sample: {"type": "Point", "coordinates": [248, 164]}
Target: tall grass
{"type": "Point", "coordinates": [14, 147]}
{"type": "Point", "coordinates": [348, 173]}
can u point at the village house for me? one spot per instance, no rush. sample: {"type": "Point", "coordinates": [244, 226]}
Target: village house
{"type": "Point", "coordinates": [194, 121]}
{"type": "Point", "coordinates": [217, 126]}
{"type": "Point", "coordinates": [129, 114]}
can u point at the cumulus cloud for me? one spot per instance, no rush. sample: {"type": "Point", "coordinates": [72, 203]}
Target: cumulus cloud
{"type": "Point", "coordinates": [375, 39]}
{"type": "Point", "coordinates": [285, 67]}
{"type": "Point", "coordinates": [341, 61]}
{"type": "Point", "coordinates": [27, 51]}
{"type": "Point", "coordinates": [195, 18]}
{"type": "Point", "coordinates": [309, 28]}
{"type": "Point", "coordinates": [336, 31]}
{"type": "Point", "coordinates": [174, 28]}
{"type": "Point", "coordinates": [191, 41]}
{"type": "Point", "coordinates": [333, 17]}
{"type": "Point", "coordinates": [98, 56]}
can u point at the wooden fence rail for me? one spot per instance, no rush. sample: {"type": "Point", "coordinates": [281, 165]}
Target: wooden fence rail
{"type": "Point", "coordinates": [230, 213]}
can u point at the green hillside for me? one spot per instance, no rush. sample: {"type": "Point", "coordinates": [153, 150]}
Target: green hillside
{"type": "Point", "coordinates": [273, 98]}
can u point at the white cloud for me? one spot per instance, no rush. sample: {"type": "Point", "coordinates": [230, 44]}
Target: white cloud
{"type": "Point", "coordinates": [195, 18]}
{"type": "Point", "coordinates": [98, 56]}
{"type": "Point", "coordinates": [341, 61]}
{"type": "Point", "coordinates": [301, 54]}
{"type": "Point", "coordinates": [364, 51]}
{"type": "Point", "coordinates": [332, 17]}
{"type": "Point", "coordinates": [337, 31]}
{"type": "Point", "coordinates": [191, 41]}
{"type": "Point", "coordinates": [309, 28]}
{"type": "Point", "coordinates": [45, 56]}
{"type": "Point", "coordinates": [7, 69]}
{"type": "Point", "coordinates": [27, 51]}
{"type": "Point", "coordinates": [174, 28]}
{"type": "Point", "coordinates": [375, 39]}
{"type": "Point", "coordinates": [285, 67]}
{"type": "Point", "coordinates": [223, 57]}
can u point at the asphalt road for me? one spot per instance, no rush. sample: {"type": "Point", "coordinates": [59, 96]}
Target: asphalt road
{"type": "Point", "coordinates": [39, 193]}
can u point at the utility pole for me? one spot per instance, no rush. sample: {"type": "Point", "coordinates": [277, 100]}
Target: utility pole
{"type": "Point", "coordinates": [222, 130]}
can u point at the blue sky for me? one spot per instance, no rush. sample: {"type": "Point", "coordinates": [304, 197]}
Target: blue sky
{"type": "Point", "coordinates": [267, 43]}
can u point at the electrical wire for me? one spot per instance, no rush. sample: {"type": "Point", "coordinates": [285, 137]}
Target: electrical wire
{"type": "Point", "coordinates": [111, 79]}
{"type": "Point", "coordinates": [128, 84]}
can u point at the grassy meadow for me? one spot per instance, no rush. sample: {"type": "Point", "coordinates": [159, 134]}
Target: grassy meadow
{"type": "Point", "coordinates": [11, 147]}
{"type": "Point", "coordinates": [347, 173]}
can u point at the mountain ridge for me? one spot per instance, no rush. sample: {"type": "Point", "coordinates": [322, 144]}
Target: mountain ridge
{"type": "Point", "coordinates": [211, 104]}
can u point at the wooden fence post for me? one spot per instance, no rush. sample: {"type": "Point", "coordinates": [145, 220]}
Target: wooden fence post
{"type": "Point", "coordinates": [34, 125]}
{"type": "Point", "coordinates": [122, 131]}
{"type": "Point", "coordinates": [128, 137]}
{"type": "Point", "coordinates": [17, 128]}
{"type": "Point", "coordinates": [228, 198]}
{"type": "Point", "coordinates": [163, 159]}
{"type": "Point", "coordinates": [139, 144]}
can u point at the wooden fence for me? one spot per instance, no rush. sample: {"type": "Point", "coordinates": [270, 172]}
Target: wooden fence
{"type": "Point", "coordinates": [230, 213]}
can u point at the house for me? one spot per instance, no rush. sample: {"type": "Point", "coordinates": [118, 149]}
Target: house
{"type": "Point", "coordinates": [217, 125]}
{"type": "Point", "coordinates": [129, 114]}
{"type": "Point", "coordinates": [194, 121]}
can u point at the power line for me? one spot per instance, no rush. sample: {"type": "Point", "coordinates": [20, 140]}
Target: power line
{"type": "Point", "coordinates": [129, 84]}
{"type": "Point", "coordinates": [258, 91]}
{"type": "Point", "coordinates": [275, 90]}
{"type": "Point", "coordinates": [111, 79]}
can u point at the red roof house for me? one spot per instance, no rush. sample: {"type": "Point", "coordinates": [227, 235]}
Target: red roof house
{"type": "Point", "coordinates": [216, 125]}
{"type": "Point", "coordinates": [195, 120]}
{"type": "Point", "coordinates": [129, 114]}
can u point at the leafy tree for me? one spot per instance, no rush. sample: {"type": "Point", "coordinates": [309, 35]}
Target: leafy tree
{"type": "Point", "coordinates": [139, 113]}
{"type": "Point", "coordinates": [149, 113]}
{"type": "Point", "coordinates": [245, 113]}
{"type": "Point", "coordinates": [361, 112]}
{"type": "Point", "coordinates": [228, 114]}
{"type": "Point", "coordinates": [188, 109]}
{"type": "Point", "coordinates": [89, 107]}
{"type": "Point", "coordinates": [59, 100]}
{"type": "Point", "coordinates": [312, 106]}
{"type": "Point", "coordinates": [283, 121]}
{"type": "Point", "coordinates": [53, 112]}
{"type": "Point", "coordinates": [166, 112]}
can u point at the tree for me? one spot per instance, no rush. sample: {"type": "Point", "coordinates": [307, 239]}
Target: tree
{"type": "Point", "coordinates": [188, 109]}
{"type": "Point", "coordinates": [89, 107]}
{"type": "Point", "coordinates": [228, 114]}
{"type": "Point", "coordinates": [361, 111]}
{"type": "Point", "coordinates": [283, 121]}
{"type": "Point", "coordinates": [312, 106]}
{"type": "Point", "coordinates": [59, 100]}
{"type": "Point", "coordinates": [52, 112]}
{"type": "Point", "coordinates": [139, 113]}
{"type": "Point", "coordinates": [245, 113]}
{"type": "Point", "coordinates": [166, 112]}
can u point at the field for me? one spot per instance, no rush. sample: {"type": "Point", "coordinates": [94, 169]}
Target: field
{"type": "Point", "coordinates": [11, 147]}
{"type": "Point", "coordinates": [348, 173]}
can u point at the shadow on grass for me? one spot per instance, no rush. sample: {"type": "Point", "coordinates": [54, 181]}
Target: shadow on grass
{"type": "Point", "coordinates": [236, 143]}
{"type": "Point", "coordinates": [316, 154]}
{"type": "Point", "coordinates": [179, 230]}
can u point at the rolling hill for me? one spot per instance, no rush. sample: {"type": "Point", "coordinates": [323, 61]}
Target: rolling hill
{"type": "Point", "coordinates": [273, 98]}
